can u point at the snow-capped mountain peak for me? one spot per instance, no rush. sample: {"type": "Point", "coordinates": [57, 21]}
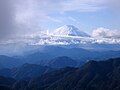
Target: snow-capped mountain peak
{"type": "Point", "coordinates": [69, 30]}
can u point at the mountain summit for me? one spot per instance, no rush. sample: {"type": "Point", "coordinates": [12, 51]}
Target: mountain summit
{"type": "Point", "coordinates": [69, 30]}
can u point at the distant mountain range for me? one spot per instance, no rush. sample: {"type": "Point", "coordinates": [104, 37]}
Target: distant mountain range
{"type": "Point", "coordinates": [66, 59]}
{"type": "Point", "coordinates": [80, 55]}
{"type": "Point", "coordinates": [9, 62]}
{"type": "Point", "coordinates": [67, 35]}
{"type": "Point", "coordinates": [62, 62]}
{"type": "Point", "coordinates": [33, 70]}
{"type": "Point", "coordinates": [94, 75]}
{"type": "Point", "coordinates": [47, 53]}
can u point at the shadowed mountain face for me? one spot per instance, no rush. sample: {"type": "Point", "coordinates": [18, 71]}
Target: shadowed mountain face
{"type": "Point", "coordinates": [30, 71]}
{"type": "Point", "coordinates": [26, 71]}
{"type": "Point", "coordinates": [9, 62]}
{"type": "Point", "coordinates": [94, 75]}
{"type": "Point", "coordinates": [6, 83]}
{"type": "Point", "coordinates": [103, 75]}
{"type": "Point", "coordinates": [33, 70]}
{"type": "Point", "coordinates": [62, 62]}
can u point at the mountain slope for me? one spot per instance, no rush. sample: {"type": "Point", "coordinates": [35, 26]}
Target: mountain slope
{"type": "Point", "coordinates": [6, 81]}
{"type": "Point", "coordinates": [62, 62]}
{"type": "Point", "coordinates": [26, 71]}
{"type": "Point", "coordinates": [94, 75]}
{"type": "Point", "coordinates": [69, 30]}
{"type": "Point", "coordinates": [9, 62]}
{"type": "Point", "coordinates": [78, 54]}
{"type": "Point", "coordinates": [30, 71]}
{"type": "Point", "coordinates": [102, 75]}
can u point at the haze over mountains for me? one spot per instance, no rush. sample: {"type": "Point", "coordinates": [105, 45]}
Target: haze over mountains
{"type": "Point", "coordinates": [66, 36]}
{"type": "Point", "coordinates": [59, 45]}
{"type": "Point", "coordinates": [62, 60]}
{"type": "Point", "coordinates": [47, 53]}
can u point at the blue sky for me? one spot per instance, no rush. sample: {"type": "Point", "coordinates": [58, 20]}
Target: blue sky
{"type": "Point", "coordinates": [87, 21]}
{"type": "Point", "coordinates": [85, 14]}
{"type": "Point", "coordinates": [35, 15]}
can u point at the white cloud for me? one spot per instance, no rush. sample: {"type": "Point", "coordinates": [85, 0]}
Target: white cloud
{"type": "Point", "coordinates": [37, 11]}
{"type": "Point", "coordinates": [106, 33]}
{"type": "Point", "coordinates": [6, 19]}
{"type": "Point", "coordinates": [29, 14]}
{"type": "Point", "coordinates": [114, 5]}
{"type": "Point", "coordinates": [73, 19]}
{"type": "Point", "coordinates": [40, 9]}
{"type": "Point", "coordinates": [83, 5]}
{"type": "Point", "coordinates": [54, 19]}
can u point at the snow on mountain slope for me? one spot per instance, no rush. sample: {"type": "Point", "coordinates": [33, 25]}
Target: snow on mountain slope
{"type": "Point", "coordinates": [69, 30]}
{"type": "Point", "coordinates": [66, 35]}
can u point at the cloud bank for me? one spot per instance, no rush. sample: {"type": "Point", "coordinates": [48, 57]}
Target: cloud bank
{"type": "Point", "coordinates": [25, 16]}
{"type": "Point", "coordinates": [106, 33]}
{"type": "Point", "coordinates": [6, 18]}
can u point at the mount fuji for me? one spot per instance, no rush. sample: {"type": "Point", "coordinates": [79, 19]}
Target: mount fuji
{"type": "Point", "coordinates": [67, 36]}
{"type": "Point", "coordinates": [69, 30]}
